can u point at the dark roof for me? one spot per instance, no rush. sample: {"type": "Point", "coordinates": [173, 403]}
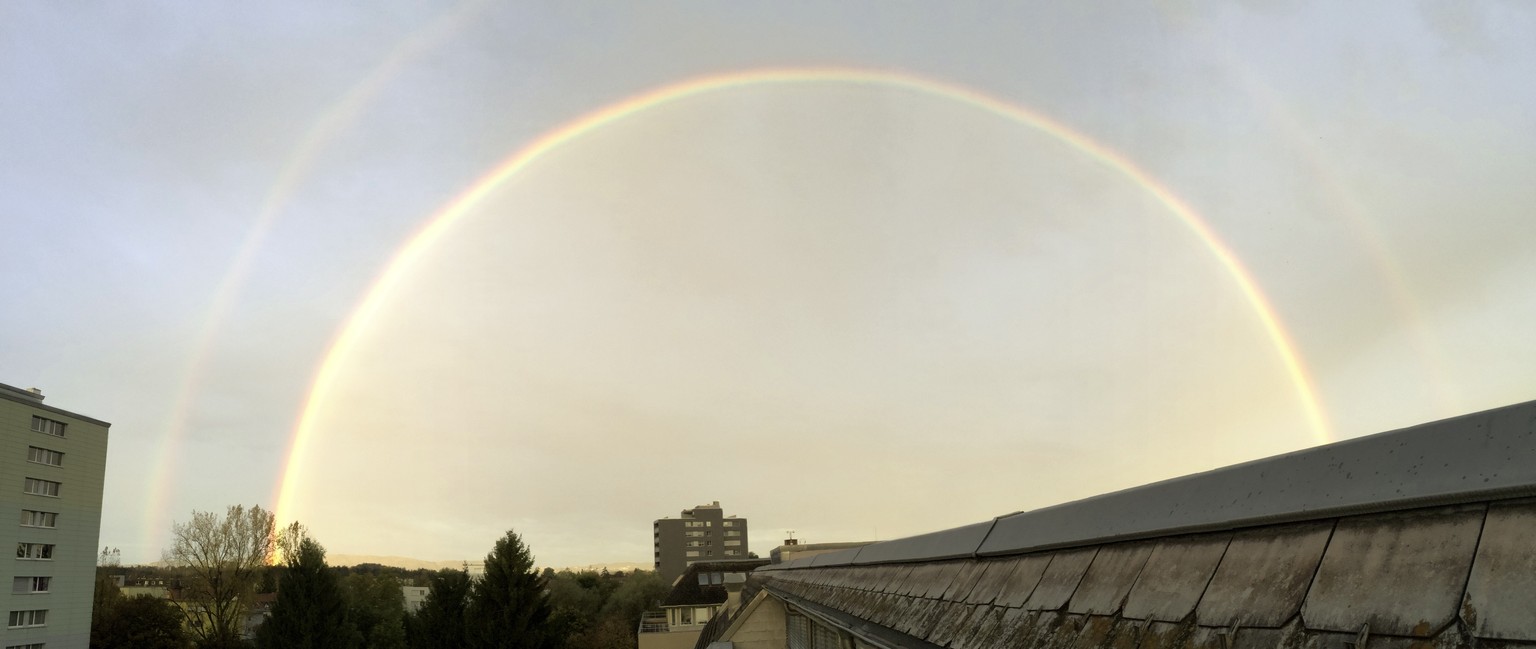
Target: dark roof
{"type": "Point", "coordinates": [27, 397]}
{"type": "Point", "coordinates": [1467, 459]}
{"type": "Point", "coordinates": [1420, 535]}
{"type": "Point", "coordinates": [688, 592]}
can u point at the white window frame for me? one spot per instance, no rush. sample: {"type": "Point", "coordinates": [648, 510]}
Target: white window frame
{"type": "Point", "coordinates": [34, 551]}
{"type": "Point", "coordinates": [44, 456]}
{"type": "Point", "coordinates": [30, 585]}
{"type": "Point", "coordinates": [27, 619]}
{"type": "Point", "coordinates": [41, 487]}
{"type": "Point", "coordinates": [48, 426]}
{"type": "Point", "coordinates": [38, 518]}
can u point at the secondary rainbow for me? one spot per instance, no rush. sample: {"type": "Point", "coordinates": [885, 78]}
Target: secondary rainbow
{"type": "Point", "coordinates": [444, 219]}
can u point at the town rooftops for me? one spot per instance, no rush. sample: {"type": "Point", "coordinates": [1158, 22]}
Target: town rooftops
{"type": "Point", "coordinates": [690, 590]}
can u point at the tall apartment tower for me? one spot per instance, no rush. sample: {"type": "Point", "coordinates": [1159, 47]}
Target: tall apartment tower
{"type": "Point", "coordinates": [703, 533]}
{"type": "Point", "coordinates": [52, 466]}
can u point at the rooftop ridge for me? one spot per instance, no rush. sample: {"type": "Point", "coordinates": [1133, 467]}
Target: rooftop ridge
{"type": "Point", "coordinates": [1488, 455]}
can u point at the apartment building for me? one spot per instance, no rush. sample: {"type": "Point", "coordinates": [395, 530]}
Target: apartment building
{"type": "Point", "coordinates": [703, 533]}
{"type": "Point", "coordinates": [52, 466]}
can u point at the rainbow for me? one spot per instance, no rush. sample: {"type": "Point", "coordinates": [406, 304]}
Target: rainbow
{"type": "Point", "coordinates": [438, 225]}
{"type": "Point", "coordinates": [299, 164]}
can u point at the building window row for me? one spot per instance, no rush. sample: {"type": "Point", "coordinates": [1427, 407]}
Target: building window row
{"type": "Point", "coordinates": [49, 426]}
{"type": "Point", "coordinates": [28, 585]}
{"type": "Point", "coordinates": [698, 524]}
{"type": "Point", "coordinates": [40, 487]}
{"type": "Point", "coordinates": [34, 518]}
{"type": "Point", "coordinates": [693, 534]}
{"type": "Point", "coordinates": [20, 619]}
{"type": "Point", "coordinates": [34, 550]}
{"type": "Point", "coordinates": [699, 544]}
{"type": "Point", "coordinates": [732, 533]}
{"type": "Point", "coordinates": [731, 543]}
{"type": "Point", "coordinates": [728, 524]}
{"type": "Point", "coordinates": [44, 456]}
{"type": "Point", "coordinates": [34, 645]}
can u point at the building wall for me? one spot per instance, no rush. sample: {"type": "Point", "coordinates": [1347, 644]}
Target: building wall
{"type": "Point", "coordinates": [670, 639]}
{"type": "Point", "coordinates": [708, 529]}
{"type": "Point", "coordinates": [763, 628]}
{"type": "Point", "coordinates": [77, 528]}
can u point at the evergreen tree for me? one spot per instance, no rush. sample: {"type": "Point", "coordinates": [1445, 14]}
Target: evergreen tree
{"type": "Point", "coordinates": [440, 622]}
{"type": "Point", "coordinates": [508, 608]}
{"type": "Point", "coordinates": [376, 607]}
{"type": "Point", "coordinates": [310, 612]}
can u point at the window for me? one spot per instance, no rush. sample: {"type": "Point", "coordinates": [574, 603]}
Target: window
{"type": "Point", "coordinates": [35, 645]}
{"type": "Point", "coordinates": [41, 487]}
{"type": "Point", "coordinates": [699, 544]}
{"type": "Point", "coordinates": [694, 524]}
{"type": "Point", "coordinates": [32, 518]}
{"type": "Point", "coordinates": [728, 524]}
{"type": "Point", "coordinates": [34, 550]}
{"type": "Point", "coordinates": [44, 456]}
{"type": "Point", "coordinates": [26, 585]}
{"type": "Point", "coordinates": [49, 426]}
{"type": "Point", "coordinates": [732, 533]}
{"type": "Point", "coordinates": [28, 618]}
{"type": "Point", "coordinates": [693, 534]}
{"type": "Point", "coordinates": [731, 543]}
{"type": "Point", "coordinates": [692, 553]}
{"type": "Point", "coordinates": [710, 578]}
{"type": "Point", "coordinates": [732, 553]}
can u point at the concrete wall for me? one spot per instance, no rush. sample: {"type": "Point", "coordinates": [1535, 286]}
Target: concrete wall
{"type": "Point", "coordinates": [671, 639]}
{"type": "Point", "coordinates": [762, 625]}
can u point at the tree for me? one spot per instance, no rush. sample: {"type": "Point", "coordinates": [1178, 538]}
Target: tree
{"type": "Point", "coordinates": [376, 605]}
{"type": "Point", "coordinates": [219, 561]}
{"type": "Point", "coordinates": [310, 612]}
{"type": "Point", "coordinates": [139, 622]}
{"type": "Point", "coordinates": [641, 591]}
{"type": "Point", "coordinates": [439, 624]}
{"type": "Point", "coordinates": [508, 607]}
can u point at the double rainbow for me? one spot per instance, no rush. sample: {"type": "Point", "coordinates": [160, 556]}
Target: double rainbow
{"type": "Point", "coordinates": [441, 222]}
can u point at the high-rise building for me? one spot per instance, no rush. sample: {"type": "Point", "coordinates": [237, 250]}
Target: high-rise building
{"type": "Point", "coordinates": [52, 466]}
{"type": "Point", "coordinates": [703, 533]}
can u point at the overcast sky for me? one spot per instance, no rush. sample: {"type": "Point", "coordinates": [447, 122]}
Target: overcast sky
{"type": "Point", "coordinates": [856, 310]}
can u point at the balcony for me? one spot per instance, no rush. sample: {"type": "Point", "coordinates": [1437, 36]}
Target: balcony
{"type": "Point", "coordinates": [654, 622]}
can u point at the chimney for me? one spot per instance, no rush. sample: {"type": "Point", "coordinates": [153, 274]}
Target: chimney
{"type": "Point", "coordinates": [791, 542]}
{"type": "Point", "coordinates": [733, 583]}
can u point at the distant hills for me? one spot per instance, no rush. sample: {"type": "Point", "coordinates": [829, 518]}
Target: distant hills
{"type": "Point", "coordinates": [409, 563]}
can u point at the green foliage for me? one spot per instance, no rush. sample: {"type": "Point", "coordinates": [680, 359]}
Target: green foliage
{"type": "Point", "coordinates": [508, 608]}
{"type": "Point", "coordinates": [311, 611]}
{"type": "Point", "coordinates": [141, 622]}
{"type": "Point", "coordinates": [439, 624]}
{"type": "Point", "coordinates": [377, 607]}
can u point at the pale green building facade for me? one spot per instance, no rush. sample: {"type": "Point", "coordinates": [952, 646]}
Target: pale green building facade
{"type": "Point", "coordinates": [52, 468]}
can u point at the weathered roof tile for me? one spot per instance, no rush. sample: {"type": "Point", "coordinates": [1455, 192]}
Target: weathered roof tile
{"type": "Point", "coordinates": [1175, 577]}
{"type": "Point", "coordinates": [1403, 574]}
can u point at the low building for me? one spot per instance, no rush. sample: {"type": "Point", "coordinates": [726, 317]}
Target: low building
{"type": "Point", "coordinates": [414, 596]}
{"type": "Point", "coordinates": [695, 599]}
{"type": "Point", "coordinates": [1419, 537]}
{"type": "Point", "coordinates": [793, 549]}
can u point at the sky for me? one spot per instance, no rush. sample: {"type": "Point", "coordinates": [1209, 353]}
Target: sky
{"type": "Point", "coordinates": [415, 274]}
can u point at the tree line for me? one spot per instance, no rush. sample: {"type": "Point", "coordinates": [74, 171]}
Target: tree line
{"type": "Point", "coordinates": [220, 569]}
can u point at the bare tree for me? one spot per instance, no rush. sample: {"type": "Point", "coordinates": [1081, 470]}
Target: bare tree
{"type": "Point", "coordinates": [220, 561]}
